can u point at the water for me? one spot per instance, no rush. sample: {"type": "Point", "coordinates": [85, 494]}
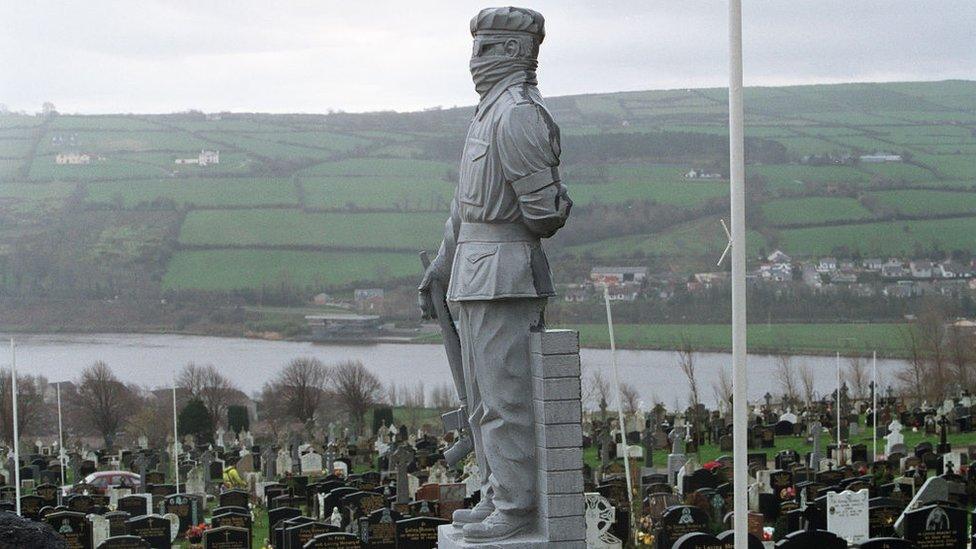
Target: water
{"type": "Point", "coordinates": [151, 360]}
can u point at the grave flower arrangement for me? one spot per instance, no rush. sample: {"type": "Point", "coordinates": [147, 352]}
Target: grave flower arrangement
{"type": "Point", "coordinates": [194, 534]}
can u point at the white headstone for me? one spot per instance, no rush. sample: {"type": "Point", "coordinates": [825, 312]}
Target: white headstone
{"type": "Point", "coordinates": [174, 525]}
{"type": "Point", "coordinates": [99, 527]}
{"type": "Point", "coordinates": [283, 462]}
{"type": "Point", "coordinates": [894, 437]}
{"type": "Point", "coordinates": [472, 479]}
{"type": "Point", "coordinates": [143, 442]}
{"type": "Point", "coordinates": [599, 516]}
{"type": "Point", "coordinates": [311, 463]}
{"type": "Point", "coordinates": [339, 468]}
{"type": "Point", "coordinates": [847, 515]}
{"type": "Point", "coordinates": [196, 480]}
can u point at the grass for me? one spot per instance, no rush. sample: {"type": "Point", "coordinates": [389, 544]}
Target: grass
{"type": "Point", "coordinates": [952, 166]}
{"type": "Point", "coordinates": [405, 231]}
{"type": "Point", "coordinates": [611, 183]}
{"type": "Point", "coordinates": [818, 209]}
{"type": "Point", "coordinates": [390, 167]}
{"type": "Point", "coordinates": [699, 238]}
{"type": "Point", "coordinates": [898, 171]}
{"type": "Point", "coordinates": [196, 191]}
{"type": "Point", "coordinates": [124, 141]}
{"type": "Point", "coordinates": [895, 238]}
{"type": "Point", "coordinates": [924, 202]}
{"type": "Point", "coordinates": [33, 198]}
{"type": "Point", "coordinates": [377, 192]}
{"type": "Point", "coordinates": [240, 269]}
{"type": "Point", "coordinates": [798, 338]}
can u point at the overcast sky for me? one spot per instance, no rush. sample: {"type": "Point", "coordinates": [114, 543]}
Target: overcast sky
{"type": "Point", "coordinates": [102, 56]}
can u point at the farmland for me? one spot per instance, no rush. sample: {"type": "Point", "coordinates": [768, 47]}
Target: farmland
{"type": "Point", "coordinates": [327, 202]}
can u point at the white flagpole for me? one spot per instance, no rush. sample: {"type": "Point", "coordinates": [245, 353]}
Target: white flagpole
{"type": "Point", "coordinates": [13, 384]}
{"type": "Point", "coordinates": [740, 408]}
{"type": "Point", "coordinates": [838, 410]}
{"type": "Point", "coordinates": [620, 399]}
{"type": "Point", "coordinates": [60, 437]}
{"type": "Point", "coordinates": [874, 404]}
{"type": "Point", "coordinates": [176, 442]}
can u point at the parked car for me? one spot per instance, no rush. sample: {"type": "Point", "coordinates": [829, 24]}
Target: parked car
{"type": "Point", "coordinates": [101, 480]}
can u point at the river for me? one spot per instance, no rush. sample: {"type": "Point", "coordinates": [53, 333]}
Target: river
{"type": "Point", "coordinates": [151, 360]}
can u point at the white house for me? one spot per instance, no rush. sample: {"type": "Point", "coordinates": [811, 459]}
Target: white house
{"type": "Point", "coordinates": [72, 158]}
{"type": "Point", "coordinates": [879, 157]}
{"type": "Point", "coordinates": [204, 158]}
{"type": "Point", "coordinates": [618, 275]}
{"type": "Point", "coordinates": [827, 264]}
{"type": "Point", "coordinates": [921, 269]}
{"type": "Point", "coordinates": [778, 257]}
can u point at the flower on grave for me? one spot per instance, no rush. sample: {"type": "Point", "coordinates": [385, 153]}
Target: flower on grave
{"type": "Point", "coordinates": [767, 534]}
{"type": "Point", "coordinates": [195, 533]}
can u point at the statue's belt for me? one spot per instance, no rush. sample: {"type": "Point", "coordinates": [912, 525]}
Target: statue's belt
{"type": "Point", "coordinates": [495, 232]}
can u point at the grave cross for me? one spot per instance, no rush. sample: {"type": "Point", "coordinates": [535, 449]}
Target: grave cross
{"type": "Point", "coordinates": [400, 459]}
{"type": "Point", "coordinates": [944, 446]}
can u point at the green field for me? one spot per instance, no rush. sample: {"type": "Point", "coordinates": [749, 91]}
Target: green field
{"type": "Point", "coordinates": [384, 167]}
{"type": "Point", "coordinates": [927, 203]}
{"type": "Point", "coordinates": [703, 238]}
{"type": "Point", "coordinates": [818, 209]}
{"type": "Point", "coordinates": [200, 192]}
{"type": "Point", "coordinates": [278, 227]}
{"type": "Point", "coordinates": [377, 192]}
{"type": "Point", "coordinates": [896, 238]}
{"type": "Point", "coordinates": [610, 183]}
{"type": "Point", "coordinates": [238, 269]}
{"type": "Point", "coordinates": [123, 141]}
{"type": "Point", "coordinates": [33, 198]}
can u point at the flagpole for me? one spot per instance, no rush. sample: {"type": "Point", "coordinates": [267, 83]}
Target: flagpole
{"type": "Point", "coordinates": [60, 437]}
{"type": "Point", "coordinates": [176, 442]}
{"type": "Point", "coordinates": [839, 454]}
{"type": "Point", "coordinates": [738, 242]}
{"type": "Point", "coordinates": [620, 399]}
{"type": "Point", "coordinates": [874, 404]}
{"type": "Point", "coordinates": [13, 385]}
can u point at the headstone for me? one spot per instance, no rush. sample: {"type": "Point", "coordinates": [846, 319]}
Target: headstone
{"type": "Point", "coordinates": [847, 515]}
{"type": "Point", "coordinates": [337, 540]}
{"type": "Point", "coordinates": [599, 515]}
{"type": "Point", "coordinates": [418, 532]}
{"type": "Point", "coordinates": [227, 537]}
{"type": "Point", "coordinates": [125, 542]}
{"type": "Point", "coordinates": [937, 527]}
{"type": "Point", "coordinates": [680, 520]}
{"type": "Point", "coordinates": [186, 508]}
{"type": "Point", "coordinates": [155, 529]}
{"type": "Point", "coordinates": [378, 530]}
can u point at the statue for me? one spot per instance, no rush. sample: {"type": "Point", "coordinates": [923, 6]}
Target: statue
{"type": "Point", "coordinates": [508, 198]}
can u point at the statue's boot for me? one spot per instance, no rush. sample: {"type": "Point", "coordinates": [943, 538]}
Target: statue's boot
{"type": "Point", "coordinates": [474, 515]}
{"type": "Point", "coordinates": [463, 446]}
{"type": "Point", "coordinates": [498, 526]}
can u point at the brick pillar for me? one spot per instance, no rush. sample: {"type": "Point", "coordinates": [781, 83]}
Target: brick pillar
{"type": "Point", "coordinates": [559, 436]}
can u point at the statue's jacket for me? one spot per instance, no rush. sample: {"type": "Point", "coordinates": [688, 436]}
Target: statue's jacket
{"type": "Point", "coordinates": [508, 197]}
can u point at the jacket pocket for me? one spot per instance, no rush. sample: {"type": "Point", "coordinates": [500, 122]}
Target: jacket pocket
{"type": "Point", "coordinates": [472, 171]}
{"type": "Point", "coordinates": [478, 269]}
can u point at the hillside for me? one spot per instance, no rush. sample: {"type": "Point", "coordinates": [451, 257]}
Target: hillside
{"type": "Point", "coordinates": [329, 202]}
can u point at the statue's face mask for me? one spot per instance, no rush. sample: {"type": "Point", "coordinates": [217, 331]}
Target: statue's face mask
{"type": "Point", "coordinates": [496, 56]}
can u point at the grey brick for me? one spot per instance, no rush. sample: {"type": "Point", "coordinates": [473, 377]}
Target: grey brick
{"type": "Point", "coordinates": [561, 482]}
{"type": "Point", "coordinates": [567, 529]}
{"type": "Point", "coordinates": [565, 435]}
{"type": "Point", "coordinates": [555, 342]}
{"type": "Point", "coordinates": [557, 388]}
{"type": "Point", "coordinates": [562, 505]}
{"type": "Point", "coordinates": [550, 412]}
{"type": "Point", "coordinates": [548, 366]}
{"type": "Point", "coordinates": [560, 459]}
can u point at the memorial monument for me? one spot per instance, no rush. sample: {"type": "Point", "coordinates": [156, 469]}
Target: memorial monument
{"type": "Point", "coordinates": [497, 276]}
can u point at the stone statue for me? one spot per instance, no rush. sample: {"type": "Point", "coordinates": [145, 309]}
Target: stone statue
{"type": "Point", "coordinates": [508, 197]}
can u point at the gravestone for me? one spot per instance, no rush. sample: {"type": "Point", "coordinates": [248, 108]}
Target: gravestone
{"type": "Point", "coordinates": [378, 530]}
{"type": "Point", "coordinates": [888, 543]}
{"type": "Point", "coordinates": [155, 529]}
{"type": "Point", "coordinates": [234, 519]}
{"type": "Point", "coordinates": [136, 504]}
{"type": "Point", "coordinates": [335, 540]}
{"type": "Point", "coordinates": [937, 527]}
{"type": "Point", "coordinates": [847, 515]}
{"type": "Point", "coordinates": [680, 520]}
{"type": "Point", "coordinates": [186, 508]}
{"type": "Point", "coordinates": [236, 498]}
{"type": "Point", "coordinates": [698, 540]}
{"type": "Point", "coordinates": [73, 527]}
{"type": "Point", "coordinates": [125, 542]}
{"type": "Point", "coordinates": [882, 514]}
{"type": "Point", "coordinates": [418, 532]}
{"type": "Point", "coordinates": [300, 534]}
{"type": "Point", "coordinates": [227, 537]}
{"type": "Point", "coordinates": [599, 516]}
{"type": "Point", "coordinates": [811, 539]}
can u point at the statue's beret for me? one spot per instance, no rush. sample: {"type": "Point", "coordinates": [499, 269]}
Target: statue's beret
{"type": "Point", "coordinates": [509, 19]}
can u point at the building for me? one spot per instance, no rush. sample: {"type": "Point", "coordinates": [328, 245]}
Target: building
{"type": "Point", "coordinates": [921, 268]}
{"type": "Point", "coordinates": [72, 158]}
{"type": "Point", "coordinates": [340, 325]}
{"type": "Point", "coordinates": [872, 264]}
{"type": "Point", "coordinates": [204, 158]}
{"type": "Point", "coordinates": [880, 157]}
{"type": "Point", "coordinates": [618, 275]}
{"type": "Point", "coordinates": [368, 299]}
{"type": "Point", "coordinates": [702, 174]}
{"type": "Point", "coordinates": [778, 257]}
{"type": "Point", "coordinates": [827, 264]}
{"type": "Point", "coordinates": [894, 268]}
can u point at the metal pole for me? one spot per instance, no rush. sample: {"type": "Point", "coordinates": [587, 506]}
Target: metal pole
{"type": "Point", "coordinates": [838, 410]}
{"type": "Point", "coordinates": [874, 404]}
{"type": "Point", "coordinates": [176, 442]}
{"type": "Point", "coordinates": [620, 400]}
{"type": "Point", "coordinates": [60, 437]}
{"type": "Point", "coordinates": [13, 384]}
{"type": "Point", "coordinates": [740, 409]}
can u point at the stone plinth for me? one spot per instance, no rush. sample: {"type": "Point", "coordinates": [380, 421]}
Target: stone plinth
{"type": "Point", "coordinates": [559, 449]}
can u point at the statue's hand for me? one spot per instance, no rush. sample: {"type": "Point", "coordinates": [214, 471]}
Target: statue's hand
{"type": "Point", "coordinates": [437, 272]}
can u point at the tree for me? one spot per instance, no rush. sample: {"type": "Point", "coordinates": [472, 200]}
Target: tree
{"type": "Point", "coordinates": [722, 388]}
{"type": "Point", "coordinates": [30, 404]}
{"type": "Point", "coordinates": [238, 419]}
{"type": "Point", "coordinates": [102, 401]}
{"type": "Point", "coordinates": [786, 377]}
{"type": "Point", "coordinates": [194, 419]}
{"type": "Point", "coordinates": [357, 390]}
{"type": "Point", "coordinates": [297, 390]}
{"type": "Point", "coordinates": [210, 386]}
{"type": "Point", "coordinates": [687, 359]}
{"type": "Point", "coordinates": [961, 349]}
{"type": "Point", "coordinates": [630, 397]}
{"type": "Point", "coordinates": [858, 376]}
{"type": "Point", "coordinates": [913, 375]}
{"type": "Point", "coordinates": [806, 380]}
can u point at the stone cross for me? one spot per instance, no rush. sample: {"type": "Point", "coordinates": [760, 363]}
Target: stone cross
{"type": "Point", "coordinates": [815, 455]}
{"type": "Point", "coordinates": [400, 459]}
{"type": "Point", "coordinates": [944, 446]}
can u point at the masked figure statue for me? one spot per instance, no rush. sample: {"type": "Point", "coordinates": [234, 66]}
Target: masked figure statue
{"type": "Point", "coordinates": [508, 198]}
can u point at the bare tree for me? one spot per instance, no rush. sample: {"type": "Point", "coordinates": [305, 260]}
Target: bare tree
{"type": "Point", "coordinates": [598, 389]}
{"type": "Point", "coordinates": [630, 397]}
{"type": "Point", "coordinates": [686, 359]}
{"type": "Point", "coordinates": [210, 386]}
{"type": "Point", "coordinates": [298, 390]}
{"type": "Point", "coordinates": [145, 421]}
{"type": "Point", "coordinates": [858, 376]}
{"type": "Point", "coordinates": [30, 404]}
{"type": "Point", "coordinates": [930, 325]}
{"type": "Point", "coordinates": [722, 388]}
{"type": "Point", "coordinates": [357, 389]}
{"type": "Point", "coordinates": [961, 349]}
{"type": "Point", "coordinates": [913, 375]}
{"type": "Point", "coordinates": [806, 380]}
{"type": "Point", "coordinates": [786, 377]}
{"type": "Point", "coordinates": [444, 397]}
{"type": "Point", "coordinates": [102, 401]}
